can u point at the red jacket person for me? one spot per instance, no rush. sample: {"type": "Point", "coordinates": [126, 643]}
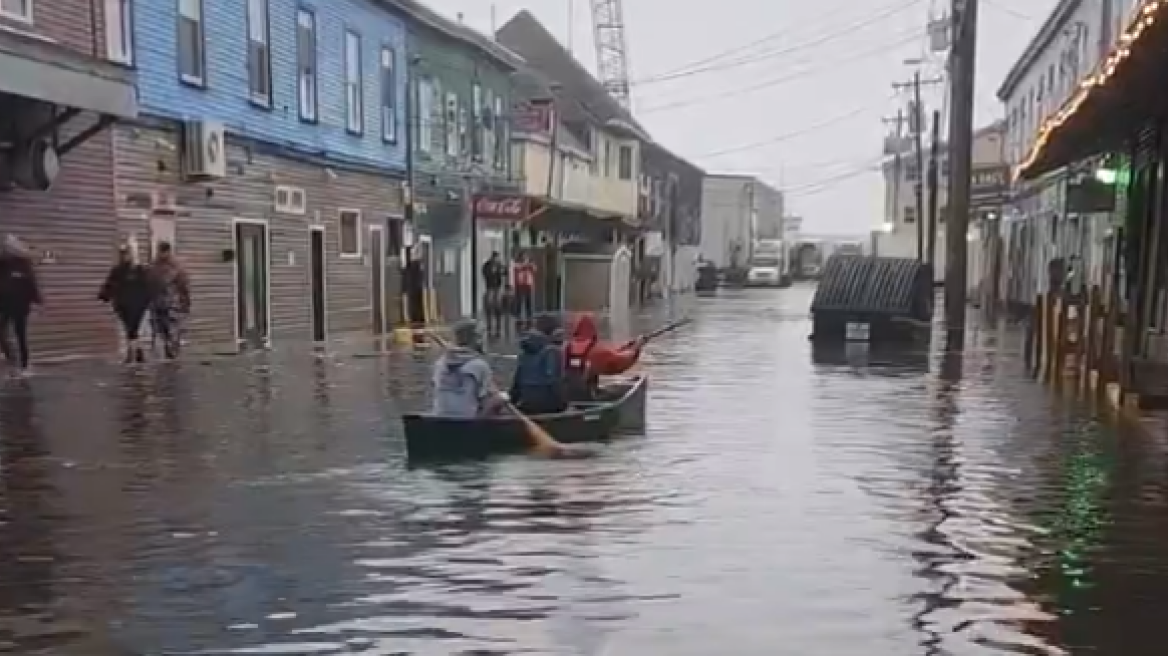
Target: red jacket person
{"type": "Point", "coordinates": [587, 358]}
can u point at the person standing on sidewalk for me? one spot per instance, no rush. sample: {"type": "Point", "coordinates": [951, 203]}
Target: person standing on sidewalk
{"type": "Point", "coordinates": [170, 296]}
{"type": "Point", "coordinates": [523, 272]}
{"type": "Point", "coordinates": [494, 273]}
{"type": "Point", "coordinates": [19, 292]}
{"type": "Point", "coordinates": [127, 289]}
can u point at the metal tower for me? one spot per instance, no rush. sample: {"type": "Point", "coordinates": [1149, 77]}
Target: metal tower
{"type": "Point", "coordinates": [612, 63]}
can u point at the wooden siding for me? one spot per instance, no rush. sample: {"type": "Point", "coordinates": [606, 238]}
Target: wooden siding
{"type": "Point", "coordinates": [226, 97]}
{"type": "Point", "coordinates": [146, 165]}
{"type": "Point", "coordinates": [74, 224]}
{"type": "Point", "coordinates": [70, 23]}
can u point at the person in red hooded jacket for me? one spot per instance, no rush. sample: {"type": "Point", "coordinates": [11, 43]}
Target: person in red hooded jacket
{"type": "Point", "coordinates": [587, 358]}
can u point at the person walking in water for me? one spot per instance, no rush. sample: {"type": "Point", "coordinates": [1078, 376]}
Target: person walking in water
{"type": "Point", "coordinates": [19, 292]}
{"type": "Point", "coordinates": [170, 296]}
{"type": "Point", "coordinates": [128, 291]}
{"type": "Point", "coordinates": [523, 272]}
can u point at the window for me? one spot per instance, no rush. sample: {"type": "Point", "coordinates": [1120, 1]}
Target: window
{"type": "Point", "coordinates": [625, 163]}
{"type": "Point", "coordinates": [910, 215]}
{"type": "Point", "coordinates": [354, 98]}
{"type": "Point", "coordinates": [488, 130]}
{"type": "Point", "coordinates": [259, 54]}
{"type": "Point", "coordinates": [425, 115]}
{"type": "Point", "coordinates": [464, 145]}
{"type": "Point", "coordinates": [501, 143]}
{"type": "Point", "coordinates": [350, 238]}
{"type": "Point", "coordinates": [192, 56]}
{"type": "Point", "coordinates": [451, 118]}
{"type": "Point", "coordinates": [478, 133]}
{"type": "Point", "coordinates": [394, 238]}
{"type": "Point", "coordinates": [306, 64]}
{"type": "Point", "coordinates": [388, 96]}
{"type": "Point", "coordinates": [607, 158]}
{"type": "Point", "coordinates": [19, 9]}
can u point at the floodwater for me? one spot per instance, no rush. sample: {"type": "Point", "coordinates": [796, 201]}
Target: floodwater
{"type": "Point", "coordinates": [782, 502]}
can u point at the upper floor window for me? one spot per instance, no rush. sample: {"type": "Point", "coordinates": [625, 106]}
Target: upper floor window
{"type": "Point", "coordinates": [388, 96]}
{"type": "Point", "coordinates": [354, 96]}
{"type": "Point", "coordinates": [452, 124]}
{"type": "Point", "coordinates": [259, 53]}
{"type": "Point", "coordinates": [501, 142]}
{"type": "Point", "coordinates": [306, 64]}
{"type": "Point", "coordinates": [607, 158]}
{"type": "Point", "coordinates": [425, 115]}
{"type": "Point", "coordinates": [192, 54]}
{"type": "Point", "coordinates": [119, 31]}
{"type": "Point", "coordinates": [624, 167]}
{"type": "Point", "coordinates": [19, 9]}
{"type": "Point", "coordinates": [477, 133]}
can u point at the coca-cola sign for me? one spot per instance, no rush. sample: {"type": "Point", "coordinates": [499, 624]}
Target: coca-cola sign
{"type": "Point", "coordinates": [510, 208]}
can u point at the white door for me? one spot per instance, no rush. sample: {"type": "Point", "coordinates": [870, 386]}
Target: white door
{"type": "Point", "coordinates": [468, 271]}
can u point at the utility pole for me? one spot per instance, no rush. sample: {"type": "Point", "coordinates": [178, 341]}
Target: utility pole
{"type": "Point", "coordinates": [916, 125]}
{"type": "Point", "coordinates": [933, 183]}
{"type": "Point", "coordinates": [962, 71]}
{"type": "Point", "coordinates": [897, 168]}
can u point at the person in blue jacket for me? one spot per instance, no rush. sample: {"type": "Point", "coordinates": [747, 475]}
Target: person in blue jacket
{"type": "Point", "coordinates": [538, 386]}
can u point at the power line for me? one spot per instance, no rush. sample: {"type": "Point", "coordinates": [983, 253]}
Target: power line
{"type": "Point", "coordinates": [791, 135]}
{"type": "Point", "coordinates": [831, 182]}
{"type": "Point", "coordinates": [782, 79]}
{"type": "Point", "coordinates": [769, 54]}
{"type": "Point", "coordinates": [1010, 10]}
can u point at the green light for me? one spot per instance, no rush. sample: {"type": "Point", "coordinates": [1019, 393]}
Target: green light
{"type": "Point", "coordinates": [1107, 176]}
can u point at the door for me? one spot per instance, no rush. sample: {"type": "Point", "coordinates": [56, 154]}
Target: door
{"type": "Point", "coordinates": [377, 277]}
{"type": "Point", "coordinates": [251, 283]}
{"type": "Point", "coordinates": [317, 283]}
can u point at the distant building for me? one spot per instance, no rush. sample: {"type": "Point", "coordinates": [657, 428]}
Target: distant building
{"type": "Point", "coordinates": [736, 211]}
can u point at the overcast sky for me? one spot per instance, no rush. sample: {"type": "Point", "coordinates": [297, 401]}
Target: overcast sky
{"type": "Point", "coordinates": [803, 109]}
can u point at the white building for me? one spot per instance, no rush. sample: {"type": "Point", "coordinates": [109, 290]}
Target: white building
{"type": "Point", "coordinates": [902, 217]}
{"type": "Point", "coordinates": [1067, 48]}
{"type": "Point", "coordinates": [736, 209]}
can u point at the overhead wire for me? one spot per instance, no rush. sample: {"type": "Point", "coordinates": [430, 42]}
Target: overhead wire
{"type": "Point", "coordinates": [830, 182]}
{"type": "Point", "coordinates": [773, 82]}
{"type": "Point", "coordinates": [847, 30]}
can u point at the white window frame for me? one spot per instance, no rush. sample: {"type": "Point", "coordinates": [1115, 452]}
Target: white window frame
{"type": "Point", "coordinates": [477, 131]}
{"type": "Point", "coordinates": [620, 151]}
{"type": "Point", "coordinates": [119, 31]}
{"type": "Point", "coordinates": [502, 145]}
{"type": "Point", "coordinates": [354, 89]}
{"type": "Point", "coordinates": [307, 80]}
{"type": "Point", "coordinates": [450, 121]}
{"type": "Point", "coordinates": [23, 15]}
{"type": "Point", "coordinates": [387, 71]}
{"type": "Point", "coordinates": [259, 32]}
{"type": "Point", "coordinates": [425, 91]}
{"type": "Point", "coordinates": [201, 78]}
{"type": "Point", "coordinates": [349, 255]}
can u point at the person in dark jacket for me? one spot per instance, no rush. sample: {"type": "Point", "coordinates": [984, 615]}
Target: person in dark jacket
{"type": "Point", "coordinates": [170, 298]}
{"type": "Point", "coordinates": [19, 292]}
{"type": "Point", "coordinates": [538, 386]}
{"type": "Point", "coordinates": [127, 289]}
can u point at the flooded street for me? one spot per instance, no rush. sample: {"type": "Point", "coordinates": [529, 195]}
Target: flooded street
{"type": "Point", "coordinates": [781, 503]}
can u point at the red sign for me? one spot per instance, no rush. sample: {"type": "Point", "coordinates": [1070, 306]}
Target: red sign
{"type": "Point", "coordinates": [533, 117]}
{"type": "Point", "coordinates": [508, 208]}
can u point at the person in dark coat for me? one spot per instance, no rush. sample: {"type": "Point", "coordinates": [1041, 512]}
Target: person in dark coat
{"type": "Point", "coordinates": [19, 292]}
{"type": "Point", "coordinates": [170, 298]}
{"type": "Point", "coordinates": [538, 385]}
{"type": "Point", "coordinates": [128, 291]}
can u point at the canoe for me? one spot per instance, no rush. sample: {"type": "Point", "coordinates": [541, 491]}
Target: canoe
{"type": "Point", "coordinates": [630, 397]}
{"type": "Point", "coordinates": [430, 438]}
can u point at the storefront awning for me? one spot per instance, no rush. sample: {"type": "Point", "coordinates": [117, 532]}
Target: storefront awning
{"type": "Point", "coordinates": [44, 71]}
{"type": "Point", "coordinates": [550, 215]}
{"type": "Point", "coordinates": [1112, 104]}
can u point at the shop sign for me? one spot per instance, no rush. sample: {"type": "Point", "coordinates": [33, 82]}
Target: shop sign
{"type": "Point", "coordinates": [507, 208]}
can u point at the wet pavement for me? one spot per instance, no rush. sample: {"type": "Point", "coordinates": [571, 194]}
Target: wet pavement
{"type": "Point", "coordinates": [782, 502]}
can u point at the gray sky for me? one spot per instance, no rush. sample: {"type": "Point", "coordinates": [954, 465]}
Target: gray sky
{"type": "Point", "coordinates": [801, 110]}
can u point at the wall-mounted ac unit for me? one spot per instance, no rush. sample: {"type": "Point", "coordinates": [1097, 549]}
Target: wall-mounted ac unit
{"type": "Point", "coordinates": [204, 150]}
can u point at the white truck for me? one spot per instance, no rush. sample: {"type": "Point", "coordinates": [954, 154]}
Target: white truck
{"type": "Point", "coordinates": [768, 265]}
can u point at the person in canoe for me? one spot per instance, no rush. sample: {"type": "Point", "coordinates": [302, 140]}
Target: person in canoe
{"type": "Point", "coordinates": [538, 386]}
{"type": "Point", "coordinates": [463, 385]}
{"type": "Point", "coordinates": [587, 358]}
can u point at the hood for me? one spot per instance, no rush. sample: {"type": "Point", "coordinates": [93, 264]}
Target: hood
{"type": "Point", "coordinates": [456, 357]}
{"type": "Point", "coordinates": [585, 328]}
{"type": "Point", "coordinates": [533, 342]}
{"type": "Point", "coordinates": [14, 246]}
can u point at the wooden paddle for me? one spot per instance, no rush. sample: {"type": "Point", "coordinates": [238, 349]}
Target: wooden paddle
{"type": "Point", "coordinates": [542, 442]}
{"type": "Point", "coordinates": [667, 328]}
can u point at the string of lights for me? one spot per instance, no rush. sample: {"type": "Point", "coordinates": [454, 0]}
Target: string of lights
{"type": "Point", "coordinates": [847, 30]}
{"type": "Point", "coordinates": [774, 82]}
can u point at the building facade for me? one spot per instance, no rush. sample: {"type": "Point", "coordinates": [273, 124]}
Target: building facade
{"type": "Point", "coordinates": [902, 217]}
{"type": "Point", "coordinates": [271, 153]}
{"type": "Point", "coordinates": [461, 101]}
{"type": "Point", "coordinates": [1039, 225]}
{"type": "Point", "coordinates": [671, 213]}
{"type": "Point", "coordinates": [59, 93]}
{"type": "Point", "coordinates": [733, 209]}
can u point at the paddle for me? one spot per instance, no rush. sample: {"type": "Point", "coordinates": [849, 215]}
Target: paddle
{"type": "Point", "coordinates": [667, 328]}
{"type": "Point", "coordinates": [542, 443]}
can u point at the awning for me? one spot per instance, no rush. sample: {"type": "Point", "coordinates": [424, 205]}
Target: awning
{"type": "Point", "coordinates": [1113, 103]}
{"type": "Point", "coordinates": [550, 215]}
{"type": "Point", "coordinates": [32, 68]}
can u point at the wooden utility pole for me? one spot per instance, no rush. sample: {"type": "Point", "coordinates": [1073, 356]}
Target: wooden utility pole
{"type": "Point", "coordinates": [916, 125]}
{"type": "Point", "coordinates": [897, 167]}
{"type": "Point", "coordinates": [962, 70]}
{"type": "Point", "coordinates": [933, 183]}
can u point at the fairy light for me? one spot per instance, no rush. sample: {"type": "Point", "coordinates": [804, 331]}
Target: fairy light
{"type": "Point", "coordinates": [1143, 19]}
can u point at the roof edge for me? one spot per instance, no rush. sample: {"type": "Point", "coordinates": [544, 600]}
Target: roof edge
{"type": "Point", "coordinates": [1050, 27]}
{"type": "Point", "coordinates": [468, 36]}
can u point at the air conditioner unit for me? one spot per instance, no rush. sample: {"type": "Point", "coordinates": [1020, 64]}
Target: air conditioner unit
{"type": "Point", "coordinates": [204, 150]}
